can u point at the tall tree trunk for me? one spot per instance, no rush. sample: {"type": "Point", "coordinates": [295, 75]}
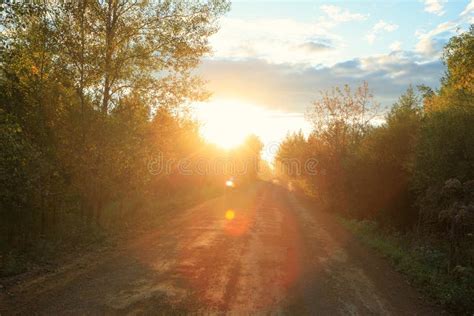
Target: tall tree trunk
{"type": "Point", "coordinates": [109, 46]}
{"type": "Point", "coordinates": [82, 100]}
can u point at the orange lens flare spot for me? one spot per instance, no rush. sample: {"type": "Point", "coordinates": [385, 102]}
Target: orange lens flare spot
{"type": "Point", "coordinates": [229, 183]}
{"type": "Point", "coordinates": [229, 215]}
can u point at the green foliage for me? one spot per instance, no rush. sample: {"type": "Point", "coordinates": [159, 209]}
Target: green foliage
{"type": "Point", "coordinates": [383, 164]}
{"type": "Point", "coordinates": [17, 164]}
{"type": "Point", "coordinates": [291, 155]}
{"type": "Point", "coordinates": [459, 59]}
{"type": "Point", "coordinates": [457, 88]}
{"type": "Point", "coordinates": [446, 148]}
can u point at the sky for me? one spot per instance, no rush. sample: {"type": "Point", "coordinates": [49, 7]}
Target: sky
{"type": "Point", "coordinates": [271, 59]}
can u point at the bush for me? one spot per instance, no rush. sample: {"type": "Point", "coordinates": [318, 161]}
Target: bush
{"type": "Point", "coordinates": [446, 148]}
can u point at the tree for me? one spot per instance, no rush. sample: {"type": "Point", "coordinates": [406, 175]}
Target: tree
{"type": "Point", "coordinates": [445, 149]}
{"type": "Point", "coordinates": [458, 56]}
{"type": "Point", "coordinates": [291, 156]}
{"type": "Point", "coordinates": [457, 88]}
{"type": "Point", "coordinates": [83, 86]}
{"type": "Point", "coordinates": [251, 150]}
{"type": "Point", "coordinates": [341, 116]}
{"type": "Point", "coordinates": [383, 164]}
{"type": "Point", "coordinates": [141, 48]}
{"type": "Point", "coordinates": [19, 181]}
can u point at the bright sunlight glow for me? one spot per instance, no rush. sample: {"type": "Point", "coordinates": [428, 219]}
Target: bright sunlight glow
{"type": "Point", "coordinates": [227, 123]}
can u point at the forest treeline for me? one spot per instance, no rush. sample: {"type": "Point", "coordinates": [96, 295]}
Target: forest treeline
{"type": "Point", "coordinates": [413, 171]}
{"type": "Point", "coordinates": [93, 101]}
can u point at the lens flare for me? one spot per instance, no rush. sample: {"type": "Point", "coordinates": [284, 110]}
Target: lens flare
{"type": "Point", "coordinates": [229, 215]}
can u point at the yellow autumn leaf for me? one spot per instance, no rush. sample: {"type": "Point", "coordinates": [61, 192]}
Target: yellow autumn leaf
{"type": "Point", "coordinates": [34, 70]}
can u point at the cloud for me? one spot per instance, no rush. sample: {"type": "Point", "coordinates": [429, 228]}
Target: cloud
{"type": "Point", "coordinates": [431, 43]}
{"type": "Point", "coordinates": [315, 47]}
{"type": "Point", "coordinates": [396, 46]}
{"type": "Point", "coordinates": [380, 27]}
{"type": "Point", "coordinates": [283, 40]}
{"type": "Point", "coordinates": [275, 40]}
{"type": "Point", "coordinates": [435, 6]}
{"type": "Point", "coordinates": [468, 10]}
{"type": "Point", "coordinates": [429, 46]}
{"type": "Point", "coordinates": [291, 88]}
{"type": "Point", "coordinates": [384, 26]}
{"type": "Point", "coordinates": [339, 15]}
{"type": "Point", "coordinates": [370, 37]}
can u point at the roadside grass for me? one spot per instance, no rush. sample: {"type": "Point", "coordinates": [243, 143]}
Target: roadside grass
{"type": "Point", "coordinates": [425, 266]}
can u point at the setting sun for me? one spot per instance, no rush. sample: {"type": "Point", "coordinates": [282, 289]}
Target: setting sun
{"type": "Point", "coordinates": [228, 123]}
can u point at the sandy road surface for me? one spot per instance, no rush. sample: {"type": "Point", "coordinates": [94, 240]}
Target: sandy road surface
{"type": "Point", "coordinates": [257, 251]}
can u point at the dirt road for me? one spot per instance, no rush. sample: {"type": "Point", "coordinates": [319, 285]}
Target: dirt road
{"type": "Point", "coordinates": [256, 251]}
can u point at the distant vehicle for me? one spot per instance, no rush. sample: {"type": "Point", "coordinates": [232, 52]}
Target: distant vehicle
{"type": "Point", "coordinates": [230, 183]}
